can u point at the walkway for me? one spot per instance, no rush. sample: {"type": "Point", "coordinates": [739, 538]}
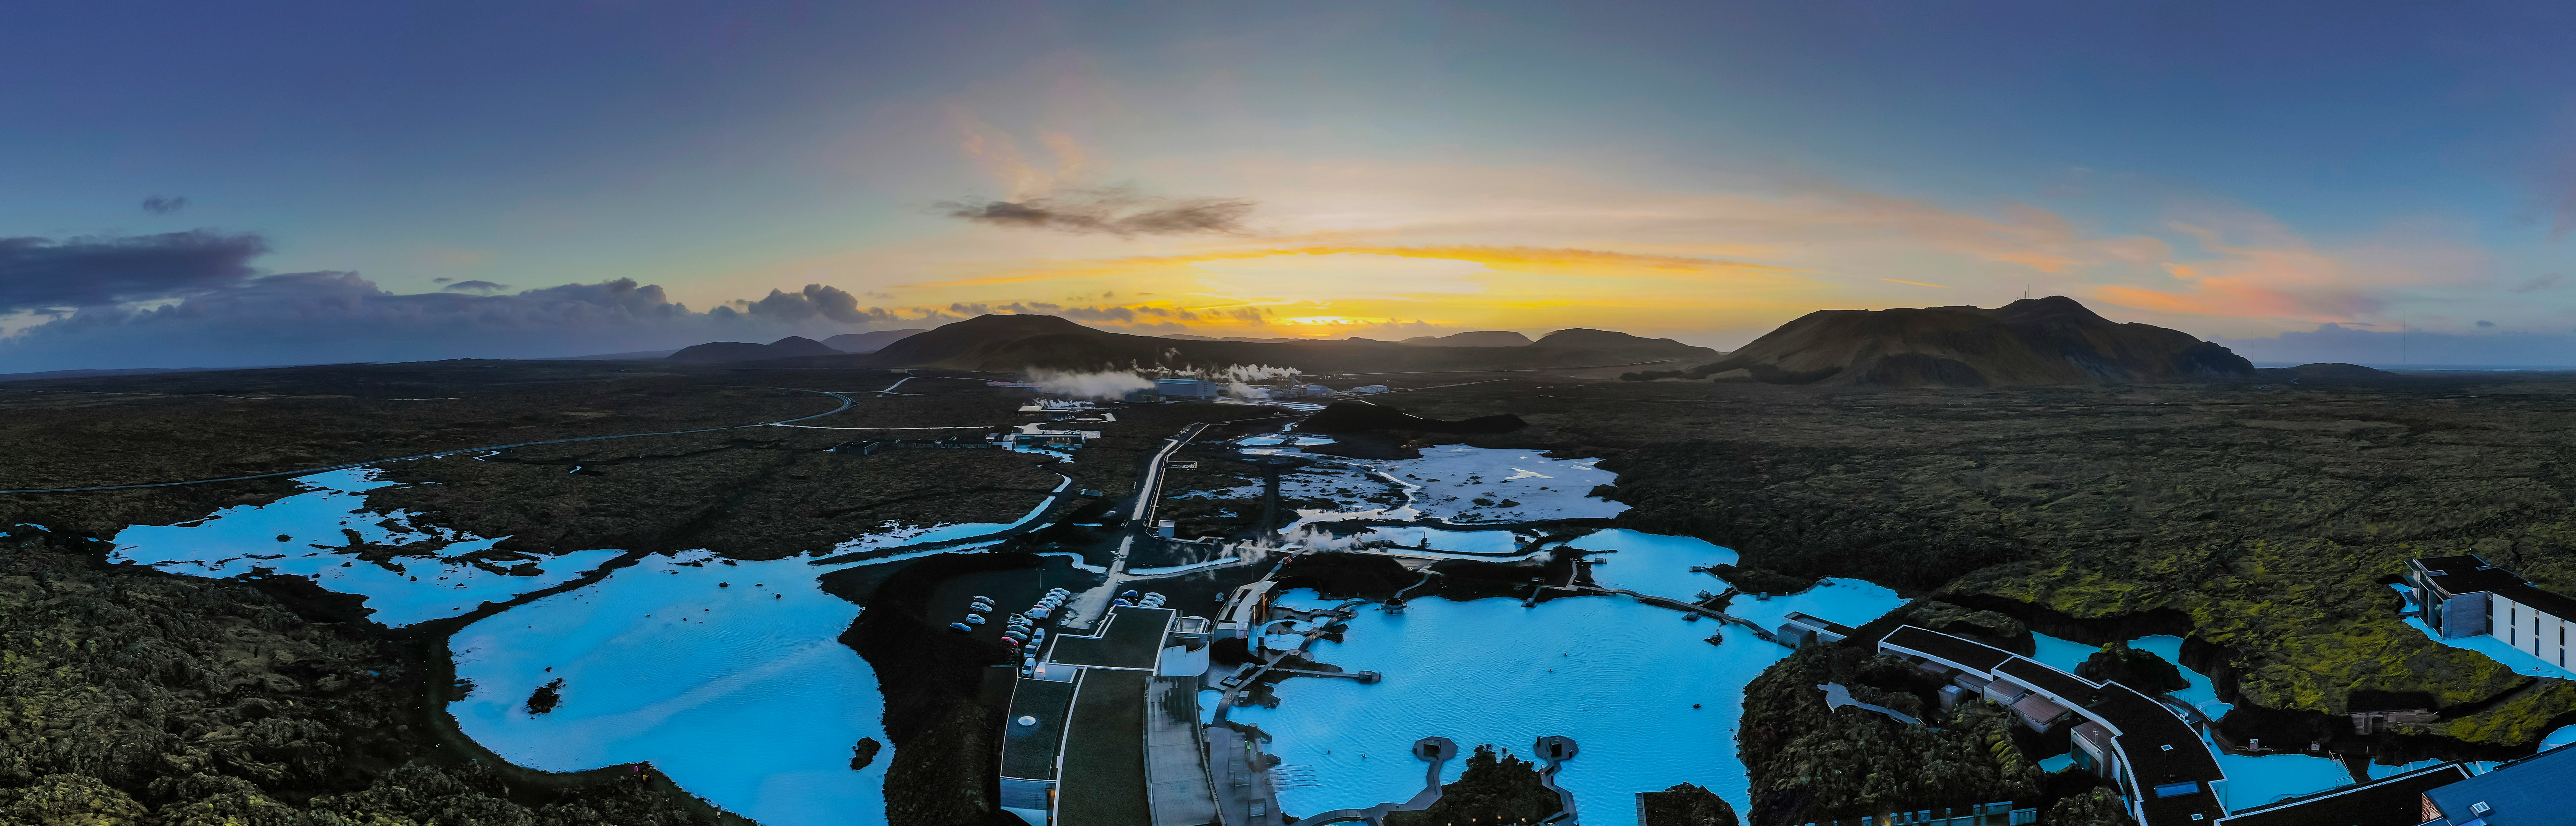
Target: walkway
{"type": "Point", "coordinates": [1836, 696]}
{"type": "Point", "coordinates": [1090, 605]}
{"type": "Point", "coordinates": [1438, 750]}
{"type": "Point", "coordinates": [1176, 764]}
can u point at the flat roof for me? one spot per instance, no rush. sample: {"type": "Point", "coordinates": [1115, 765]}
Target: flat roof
{"type": "Point", "coordinates": [2393, 801]}
{"type": "Point", "coordinates": [2160, 748]}
{"type": "Point", "coordinates": [1969, 654]}
{"type": "Point", "coordinates": [1104, 752]}
{"type": "Point", "coordinates": [2073, 689]}
{"type": "Point", "coordinates": [1130, 637]}
{"type": "Point", "coordinates": [2469, 574]}
{"type": "Point", "coordinates": [2528, 792]}
{"type": "Point", "coordinates": [1028, 751]}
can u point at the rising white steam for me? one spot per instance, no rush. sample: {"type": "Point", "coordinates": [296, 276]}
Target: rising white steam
{"type": "Point", "coordinates": [1106, 385]}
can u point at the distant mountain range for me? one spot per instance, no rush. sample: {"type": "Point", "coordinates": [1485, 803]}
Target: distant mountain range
{"type": "Point", "coordinates": [2035, 341]}
{"type": "Point", "coordinates": [1014, 343]}
{"type": "Point", "coordinates": [715, 352]}
{"type": "Point", "coordinates": [1479, 338]}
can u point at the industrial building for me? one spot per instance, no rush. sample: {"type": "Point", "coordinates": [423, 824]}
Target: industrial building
{"type": "Point", "coordinates": [1188, 388]}
{"type": "Point", "coordinates": [2463, 596]}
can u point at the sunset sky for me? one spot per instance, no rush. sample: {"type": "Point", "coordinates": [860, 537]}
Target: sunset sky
{"type": "Point", "coordinates": [240, 185]}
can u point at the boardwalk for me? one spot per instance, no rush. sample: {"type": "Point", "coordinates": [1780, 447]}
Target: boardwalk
{"type": "Point", "coordinates": [1438, 750]}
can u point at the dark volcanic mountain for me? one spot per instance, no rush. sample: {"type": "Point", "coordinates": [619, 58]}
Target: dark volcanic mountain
{"type": "Point", "coordinates": [723, 351]}
{"type": "Point", "coordinates": [1008, 343]}
{"type": "Point", "coordinates": [1478, 338]}
{"type": "Point", "coordinates": [2326, 373]}
{"type": "Point", "coordinates": [868, 342]}
{"type": "Point", "coordinates": [2033, 341]}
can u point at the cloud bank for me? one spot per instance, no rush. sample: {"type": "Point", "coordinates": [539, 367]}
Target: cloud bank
{"type": "Point", "coordinates": [192, 299]}
{"type": "Point", "coordinates": [47, 276]}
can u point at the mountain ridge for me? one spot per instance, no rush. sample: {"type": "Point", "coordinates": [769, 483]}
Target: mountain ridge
{"type": "Point", "coordinates": [2033, 341]}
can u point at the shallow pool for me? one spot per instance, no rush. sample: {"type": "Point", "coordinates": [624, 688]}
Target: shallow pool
{"type": "Point", "coordinates": [2522, 662]}
{"type": "Point", "coordinates": [1618, 676]}
{"type": "Point", "coordinates": [729, 678]}
{"type": "Point", "coordinates": [400, 591]}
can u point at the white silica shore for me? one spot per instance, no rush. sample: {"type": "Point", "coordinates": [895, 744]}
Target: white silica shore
{"type": "Point", "coordinates": [1446, 482]}
{"type": "Point", "coordinates": [731, 678]}
{"type": "Point", "coordinates": [402, 591]}
{"type": "Point", "coordinates": [891, 535]}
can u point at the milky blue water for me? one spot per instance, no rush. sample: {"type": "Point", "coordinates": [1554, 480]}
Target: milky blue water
{"type": "Point", "coordinates": [401, 591]}
{"type": "Point", "coordinates": [1661, 565]}
{"type": "Point", "coordinates": [2251, 780]}
{"type": "Point", "coordinates": [729, 678]}
{"type": "Point", "coordinates": [1618, 676]}
{"type": "Point", "coordinates": [2561, 736]}
{"type": "Point", "coordinates": [2521, 661]}
{"type": "Point", "coordinates": [890, 535]}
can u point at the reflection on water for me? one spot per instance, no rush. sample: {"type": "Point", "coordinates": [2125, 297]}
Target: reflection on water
{"type": "Point", "coordinates": [1619, 677]}
{"type": "Point", "coordinates": [729, 678]}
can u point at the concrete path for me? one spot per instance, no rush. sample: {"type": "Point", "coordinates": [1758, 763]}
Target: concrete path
{"type": "Point", "coordinates": [1836, 696]}
{"type": "Point", "coordinates": [1089, 606]}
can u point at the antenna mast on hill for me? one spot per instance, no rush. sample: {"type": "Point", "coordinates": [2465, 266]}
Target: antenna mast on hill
{"type": "Point", "coordinates": [2402, 330]}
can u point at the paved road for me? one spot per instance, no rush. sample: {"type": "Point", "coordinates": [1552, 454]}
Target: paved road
{"type": "Point", "coordinates": [845, 405]}
{"type": "Point", "coordinates": [1090, 605]}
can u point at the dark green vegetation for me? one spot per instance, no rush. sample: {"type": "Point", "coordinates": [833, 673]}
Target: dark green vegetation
{"type": "Point", "coordinates": [761, 493]}
{"type": "Point", "coordinates": [2141, 670]}
{"type": "Point", "coordinates": [1809, 763]}
{"type": "Point", "coordinates": [180, 426]}
{"type": "Point", "coordinates": [132, 696]}
{"type": "Point", "coordinates": [1495, 788]}
{"type": "Point", "coordinates": [1687, 805]}
{"type": "Point", "coordinates": [2260, 524]}
{"type": "Point", "coordinates": [1352, 417]}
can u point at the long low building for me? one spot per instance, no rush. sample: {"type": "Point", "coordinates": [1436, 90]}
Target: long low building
{"type": "Point", "coordinates": [2463, 596]}
{"type": "Point", "coordinates": [2163, 771]}
{"type": "Point", "coordinates": [1104, 730]}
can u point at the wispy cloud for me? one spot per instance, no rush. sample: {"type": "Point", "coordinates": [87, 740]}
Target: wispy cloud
{"type": "Point", "coordinates": [1113, 211]}
{"type": "Point", "coordinates": [164, 205]}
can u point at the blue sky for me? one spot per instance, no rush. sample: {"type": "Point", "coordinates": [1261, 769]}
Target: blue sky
{"type": "Point", "coordinates": [1705, 171]}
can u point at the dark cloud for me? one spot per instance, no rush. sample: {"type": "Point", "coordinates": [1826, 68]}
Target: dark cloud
{"type": "Point", "coordinates": [159, 205]}
{"type": "Point", "coordinates": [475, 287]}
{"type": "Point", "coordinates": [2484, 324]}
{"type": "Point", "coordinates": [44, 275]}
{"type": "Point", "coordinates": [2537, 284]}
{"type": "Point", "coordinates": [816, 301]}
{"type": "Point", "coordinates": [305, 318]}
{"type": "Point", "coordinates": [1108, 211]}
{"type": "Point", "coordinates": [1122, 315]}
